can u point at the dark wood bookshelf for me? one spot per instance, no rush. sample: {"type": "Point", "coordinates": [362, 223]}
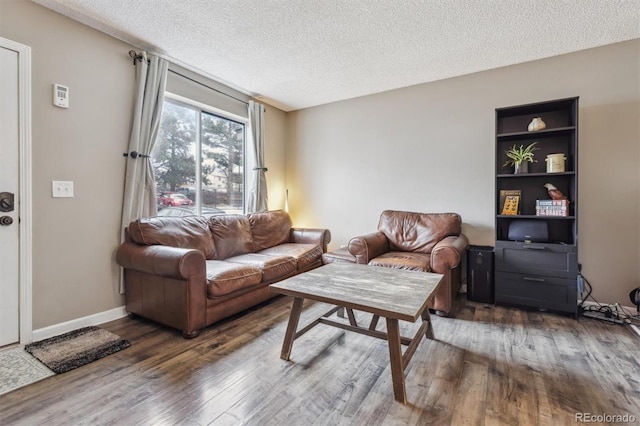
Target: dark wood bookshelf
{"type": "Point", "coordinates": [539, 274]}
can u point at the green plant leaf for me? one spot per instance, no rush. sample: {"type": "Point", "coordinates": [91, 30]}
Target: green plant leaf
{"type": "Point", "coordinates": [517, 155]}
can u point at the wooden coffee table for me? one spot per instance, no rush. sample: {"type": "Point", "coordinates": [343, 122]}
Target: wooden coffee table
{"type": "Point", "coordinates": [393, 294]}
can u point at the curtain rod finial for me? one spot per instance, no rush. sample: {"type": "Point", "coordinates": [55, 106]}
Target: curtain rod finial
{"type": "Point", "coordinates": [135, 56]}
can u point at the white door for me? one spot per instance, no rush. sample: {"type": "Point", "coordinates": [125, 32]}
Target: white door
{"type": "Point", "coordinates": [15, 193]}
{"type": "Point", "coordinates": [9, 199]}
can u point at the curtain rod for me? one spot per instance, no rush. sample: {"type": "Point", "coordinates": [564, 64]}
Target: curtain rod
{"type": "Point", "coordinates": [209, 87]}
{"type": "Point", "coordinates": [137, 56]}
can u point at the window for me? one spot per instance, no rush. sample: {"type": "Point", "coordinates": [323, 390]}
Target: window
{"type": "Point", "coordinates": [198, 160]}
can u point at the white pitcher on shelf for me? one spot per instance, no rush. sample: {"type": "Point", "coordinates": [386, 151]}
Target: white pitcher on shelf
{"type": "Point", "coordinates": [555, 163]}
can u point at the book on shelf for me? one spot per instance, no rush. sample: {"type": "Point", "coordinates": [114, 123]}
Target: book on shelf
{"type": "Point", "coordinates": [540, 211]}
{"type": "Point", "coordinates": [552, 208]}
{"type": "Point", "coordinates": [510, 202]}
{"type": "Point", "coordinates": [552, 203]}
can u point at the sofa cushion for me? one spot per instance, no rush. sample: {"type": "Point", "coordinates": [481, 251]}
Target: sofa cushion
{"type": "Point", "coordinates": [272, 267]}
{"type": "Point", "coordinates": [410, 261]}
{"type": "Point", "coordinates": [226, 277]}
{"type": "Point", "coordinates": [190, 232]}
{"type": "Point", "coordinates": [269, 228]}
{"type": "Point", "coordinates": [305, 254]}
{"type": "Point", "coordinates": [231, 235]}
{"type": "Point", "coordinates": [417, 232]}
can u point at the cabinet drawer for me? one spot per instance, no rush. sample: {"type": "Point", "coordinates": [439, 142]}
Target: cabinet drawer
{"type": "Point", "coordinates": [538, 259]}
{"type": "Point", "coordinates": [537, 291]}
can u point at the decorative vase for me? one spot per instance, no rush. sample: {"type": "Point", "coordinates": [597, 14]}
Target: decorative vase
{"type": "Point", "coordinates": [536, 124]}
{"type": "Point", "coordinates": [521, 168]}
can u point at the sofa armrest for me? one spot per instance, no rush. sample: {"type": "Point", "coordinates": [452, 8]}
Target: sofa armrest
{"type": "Point", "coordinates": [448, 252]}
{"type": "Point", "coordinates": [366, 247]}
{"type": "Point", "coordinates": [160, 260]}
{"type": "Point", "coordinates": [321, 237]}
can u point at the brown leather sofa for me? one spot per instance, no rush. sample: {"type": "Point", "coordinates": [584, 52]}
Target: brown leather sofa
{"type": "Point", "coordinates": [189, 272]}
{"type": "Point", "coordinates": [428, 242]}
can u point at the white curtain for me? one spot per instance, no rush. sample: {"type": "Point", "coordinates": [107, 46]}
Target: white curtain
{"type": "Point", "coordinates": [139, 186]}
{"type": "Point", "coordinates": [257, 199]}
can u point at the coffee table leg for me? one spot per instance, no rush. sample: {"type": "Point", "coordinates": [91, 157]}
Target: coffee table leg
{"type": "Point", "coordinates": [395, 358]}
{"type": "Point", "coordinates": [352, 318]}
{"type": "Point", "coordinates": [289, 336]}
{"type": "Point", "coordinates": [374, 322]}
{"type": "Point", "coordinates": [427, 317]}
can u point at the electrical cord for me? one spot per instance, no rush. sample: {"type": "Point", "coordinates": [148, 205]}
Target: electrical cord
{"type": "Point", "coordinates": [614, 312]}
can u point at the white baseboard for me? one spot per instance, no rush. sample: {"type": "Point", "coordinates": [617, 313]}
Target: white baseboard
{"type": "Point", "coordinates": [64, 327]}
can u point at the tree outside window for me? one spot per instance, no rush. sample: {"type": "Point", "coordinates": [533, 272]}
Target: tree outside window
{"type": "Point", "coordinates": [188, 135]}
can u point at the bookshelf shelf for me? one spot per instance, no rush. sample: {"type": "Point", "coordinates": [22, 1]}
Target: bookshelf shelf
{"type": "Point", "coordinates": [539, 134]}
{"type": "Point", "coordinates": [533, 216]}
{"type": "Point", "coordinates": [533, 175]}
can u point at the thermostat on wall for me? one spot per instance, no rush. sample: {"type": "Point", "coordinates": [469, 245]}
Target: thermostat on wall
{"type": "Point", "coordinates": [61, 96]}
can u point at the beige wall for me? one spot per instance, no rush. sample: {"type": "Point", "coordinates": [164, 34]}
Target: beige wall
{"type": "Point", "coordinates": [74, 240]}
{"type": "Point", "coordinates": [74, 273]}
{"type": "Point", "coordinates": [275, 155]}
{"type": "Point", "coordinates": [430, 148]}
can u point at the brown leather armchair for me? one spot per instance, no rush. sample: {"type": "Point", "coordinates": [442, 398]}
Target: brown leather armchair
{"type": "Point", "coordinates": [428, 242]}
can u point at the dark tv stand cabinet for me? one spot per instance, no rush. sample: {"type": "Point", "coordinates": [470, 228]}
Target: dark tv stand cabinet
{"type": "Point", "coordinates": [540, 275]}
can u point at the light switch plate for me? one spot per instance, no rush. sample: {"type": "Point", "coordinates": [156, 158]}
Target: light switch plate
{"type": "Point", "coordinates": [61, 188]}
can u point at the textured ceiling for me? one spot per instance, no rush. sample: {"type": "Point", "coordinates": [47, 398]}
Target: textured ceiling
{"type": "Point", "coordinates": [295, 54]}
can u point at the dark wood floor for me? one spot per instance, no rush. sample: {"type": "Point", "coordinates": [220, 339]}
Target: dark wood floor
{"type": "Point", "coordinates": [489, 365]}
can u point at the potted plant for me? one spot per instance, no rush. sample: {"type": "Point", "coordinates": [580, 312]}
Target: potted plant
{"type": "Point", "coordinates": [520, 157]}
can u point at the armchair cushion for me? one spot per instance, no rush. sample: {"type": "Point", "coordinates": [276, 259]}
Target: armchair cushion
{"type": "Point", "coordinates": [417, 232]}
{"type": "Point", "coordinates": [410, 261]}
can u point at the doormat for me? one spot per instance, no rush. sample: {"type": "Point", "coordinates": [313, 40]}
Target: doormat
{"type": "Point", "coordinates": [18, 369]}
{"type": "Point", "coordinates": [76, 348]}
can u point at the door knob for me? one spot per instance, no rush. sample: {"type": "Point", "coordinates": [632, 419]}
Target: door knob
{"type": "Point", "coordinates": [6, 220]}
